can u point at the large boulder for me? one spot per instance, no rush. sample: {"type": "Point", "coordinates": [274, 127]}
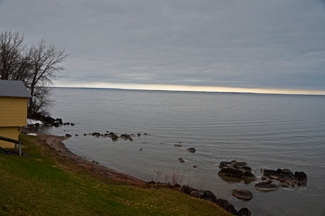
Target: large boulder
{"type": "Point", "coordinates": [197, 193]}
{"type": "Point", "coordinates": [227, 206]}
{"type": "Point", "coordinates": [206, 195]}
{"type": "Point", "coordinates": [264, 186]}
{"type": "Point", "coordinates": [249, 176]}
{"type": "Point", "coordinates": [224, 164]}
{"type": "Point", "coordinates": [230, 172]}
{"type": "Point", "coordinates": [48, 120]}
{"type": "Point", "coordinates": [242, 194]}
{"type": "Point", "coordinates": [269, 172]}
{"type": "Point", "coordinates": [244, 212]}
{"type": "Point", "coordinates": [186, 189]}
{"type": "Point", "coordinates": [300, 176]}
{"type": "Point", "coordinates": [244, 168]}
{"type": "Point", "coordinates": [210, 196]}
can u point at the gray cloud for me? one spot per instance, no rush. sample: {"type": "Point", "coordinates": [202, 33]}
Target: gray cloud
{"type": "Point", "coordinates": [255, 44]}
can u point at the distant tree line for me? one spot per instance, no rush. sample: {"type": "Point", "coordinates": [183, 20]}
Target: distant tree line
{"type": "Point", "coordinates": [35, 66]}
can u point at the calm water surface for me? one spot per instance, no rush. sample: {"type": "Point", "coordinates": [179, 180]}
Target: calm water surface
{"type": "Point", "coordinates": [266, 131]}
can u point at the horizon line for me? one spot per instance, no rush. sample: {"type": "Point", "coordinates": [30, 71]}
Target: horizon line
{"type": "Point", "coordinates": [187, 88]}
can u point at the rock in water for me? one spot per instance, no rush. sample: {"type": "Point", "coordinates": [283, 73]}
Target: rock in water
{"type": "Point", "coordinates": [225, 164]}
{"type": "Point", "coordinates": [264, 186]}
{"type": "Point", "coordinates": [242, 194]}
{"type": "Point", "coordinates": [181, 160]}
{"type": "Point", "coordinates": [249, 176]}
{"type": "Point", "coordinates": [191, 150]}
{"type": "Point", "coordinates": [244, 212]}
{"type": "Point", "coordinates": [231, 172]}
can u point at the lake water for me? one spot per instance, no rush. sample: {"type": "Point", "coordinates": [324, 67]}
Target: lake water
{"type": "Point", "coordinates": [266, 131]}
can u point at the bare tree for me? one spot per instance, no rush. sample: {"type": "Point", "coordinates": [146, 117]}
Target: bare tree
{"type": "Point", "coordinates": [35, 66]}
{"type": "Point", "coordinates": [11, 47]}
{"type": "Point", "coordinates": [41, 101]}
{"type": "Point", "coordinates": [45, 61]}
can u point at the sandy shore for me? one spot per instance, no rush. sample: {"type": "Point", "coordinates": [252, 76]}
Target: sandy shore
{"type": "Point", "coordinates": [56, 143]}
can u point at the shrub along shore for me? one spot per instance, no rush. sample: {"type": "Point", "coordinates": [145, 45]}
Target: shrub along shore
{"type": "Point", "coordinates": [49, 183]}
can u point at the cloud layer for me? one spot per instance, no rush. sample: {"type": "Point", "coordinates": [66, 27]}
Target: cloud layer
{"type": "Point", "coordinates": [248, 44]}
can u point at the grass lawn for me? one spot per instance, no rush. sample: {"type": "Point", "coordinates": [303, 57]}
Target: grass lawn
{"type": "Point", "coordinates": [47, 184]}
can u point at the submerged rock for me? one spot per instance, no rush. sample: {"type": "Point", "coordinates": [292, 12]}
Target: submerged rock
{"type": "Point", "coordinates": [269, 172]}
{"type": "Point", "coordinates": [242, 194]}
{"type": "Point", "coordinates": [225, 164]}
{"type": "Point", "coordinates": [300, 176]}
{"type": "Point", "coordinates": [181, 160]}
{"type": "Point", "coordinates": [286, 177]}
{"type": "Point", "coordinates": [113, 136]}
{"type": "Point", "coordinates": [264, 186]}
{"type": "Point", "coordinates": [96, 134]}
{"type": "Point", "coordinates": [245, 169]}
{"type": "Point", "coordinates": [126, 137]}
{"type": "Point", "coordinates": [231, 172]}
{"type": "Point", "coordinates": [191, 150]}
{"type": "Point", "coordinates": [249, 176]}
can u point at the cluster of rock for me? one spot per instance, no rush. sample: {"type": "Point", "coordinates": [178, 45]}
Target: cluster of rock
{"type": "Point", "coordinates": [210, 196]}
{"type": "Point", "coordinates": [240, 170]}
{"type": "Point", "coordinates": [192, 150]}
{"type": "Point", "coordinates": [285, 177]}
{"type": "Point", "coordinates": [237, 170]}
{"type": "Point", "coordinates": [49, 121]}
{"type": "Point", "coordinates": [112, 135]}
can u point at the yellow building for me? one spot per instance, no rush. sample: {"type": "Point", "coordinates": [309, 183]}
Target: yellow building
{"type": "Point", "coordinates": [13, 110]}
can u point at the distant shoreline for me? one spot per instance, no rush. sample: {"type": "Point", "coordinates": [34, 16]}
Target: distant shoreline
{"type": "Point", "coordinates": [184, 91]}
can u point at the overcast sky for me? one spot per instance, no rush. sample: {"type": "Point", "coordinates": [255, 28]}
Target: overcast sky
{"type": "Point", "coordinates": [278, 44]}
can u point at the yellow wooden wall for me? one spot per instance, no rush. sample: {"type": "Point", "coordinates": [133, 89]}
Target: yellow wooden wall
{"type": "Point", "coordinates": [13, 112]}
{"type": "Point", "coordinates": [11, 133]}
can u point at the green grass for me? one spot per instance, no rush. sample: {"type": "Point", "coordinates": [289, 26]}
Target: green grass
{"type": "Point", "coordinates": [47, 184]}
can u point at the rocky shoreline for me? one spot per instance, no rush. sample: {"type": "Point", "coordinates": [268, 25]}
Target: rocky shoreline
{"type": "Point", "coordinates": [56, 144]}
{"type": "Point", "coordinates": [229, 170]}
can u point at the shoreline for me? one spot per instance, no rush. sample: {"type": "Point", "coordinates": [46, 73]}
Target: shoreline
{"type": "Point", "coordinates": [56, 143]}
